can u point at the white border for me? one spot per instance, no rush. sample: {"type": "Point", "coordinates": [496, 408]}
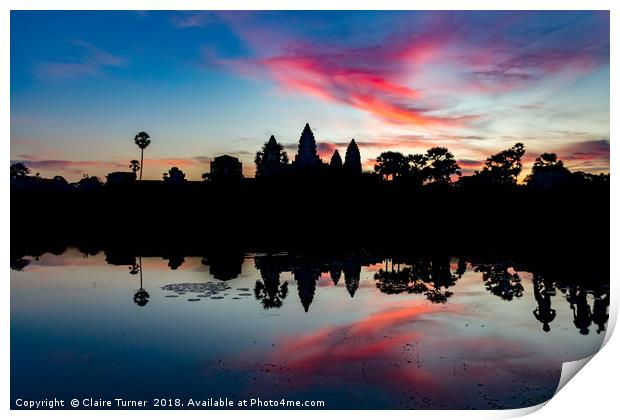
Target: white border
{"type": "Point", "coordinates": [592, 394]}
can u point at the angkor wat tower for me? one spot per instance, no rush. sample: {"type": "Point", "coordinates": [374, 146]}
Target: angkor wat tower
{"type": "Point", "coordinates": [352, 159]}
{"type": "Point", "coordinates": [307, 156]}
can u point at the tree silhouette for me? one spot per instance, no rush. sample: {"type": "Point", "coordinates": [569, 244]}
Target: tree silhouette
{"type": "Point", "coordinates": [269, 297]}
{"type": "Point", "coordinates": [142, 140]}
{"type": "Point", "coordinates": [269, 291]}
{"type": "Point", "coordinates": [19, 170]}
{"type": "Point", "coordinates": [441, 276]}
{"type": "Point", "coordinates": [599, 311]}
{"type": "Point", "coordinates": [441, 165]}
{"type": "Point", "coordinates": [584, 179]}
{"type": "Point", "coordinates": [271, 159]}
{"type": "Point", "coordinates": [547, 160]}
{"type": "Point", "coordinates": [417, 169]}
{"type": "Point", "coordinates": [134, 268]}
{"type": "Point", "coordinates": [18, 264]}
{"type": "Point", "coordinates": [430, 277]}
{"type": "Point", "coordinates": [59, 180]}
{"type": "Point", "coordinates": [461, 267]}
{"type": "Point", "coordinates": [134, 165]}
{"type": "Point", "coordinates": [582, 314]}
{"type": "Point", "coordinates": [174, 175]}
{"type": "Point", "coordinates": [352, 158]}
{"type": "Point", "coordinates": [141, 297]}
{"type": "Point", "coordinates": [89, 183]}
{"type": "Point", "coordinates": [396, 282]}
{"type": "Point", "coordinates": [503, 168]}
{"type": "Point", "coordinates": [391, 164]}
{"type": "Point", "coordinates": [548, 171]}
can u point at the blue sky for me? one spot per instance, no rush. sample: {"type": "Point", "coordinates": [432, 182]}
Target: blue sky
{"type": "Point", "coordinates": [207, 83]}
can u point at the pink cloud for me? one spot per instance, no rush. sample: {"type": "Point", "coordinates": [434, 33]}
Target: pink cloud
{"type": "Point", "coordinates": [468, 166]}
{"type": "Point", "coordinates": [324, 77]}
{"type": "Point", "coordinates": [589, 156]}
{"type": "Point", "coordinates": [389, 79]}
{"type": "Point", "coordinates": [68, 166]}
{"type": "Point", "coordinates": [376, 338]}
{"type": "Point", "coordinates": [402, 348]}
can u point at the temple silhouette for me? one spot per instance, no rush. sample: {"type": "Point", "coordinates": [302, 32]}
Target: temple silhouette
{"type": "Point", "coordinates": [272, 160]}
{"type": "Point", "coordinates": [312, 217]}
{"type": "Point", "coordinates": [306, 272]}
{"type": "Point", "coordinates": [226, 168]}
{"type": "Point", "coordinates": [437, 168]}
{"type": "Point", "coordinates": [307, 156]}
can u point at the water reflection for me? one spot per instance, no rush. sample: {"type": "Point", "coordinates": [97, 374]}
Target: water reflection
{"type": "Point", "coordinates": [455, 332]}
{"type": "Point", "coordinates": [542, 293]}
{"type": "Point", "coordinates": [269, 291]}
{"type": "Point", "coordinates": [428, 276]}
{"type": "Point", "coordinates": [141, 297]}
{"type": "Point", "coordinates": [224, 264]}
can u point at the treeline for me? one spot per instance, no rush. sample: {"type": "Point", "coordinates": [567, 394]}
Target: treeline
{"type": "Point", "coordinates": [439, 167]}
{"type": "Point", "coordinates": [435, 168]}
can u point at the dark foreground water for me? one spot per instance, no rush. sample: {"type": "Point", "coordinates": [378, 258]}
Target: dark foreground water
{"type": "Point", "coordinates": [353, 332]}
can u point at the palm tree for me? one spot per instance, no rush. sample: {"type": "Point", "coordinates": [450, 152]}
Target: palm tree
{"type": "Point", "coordinates": [142, 140]}
{"type": "Point", "coordinates": [134, 165]}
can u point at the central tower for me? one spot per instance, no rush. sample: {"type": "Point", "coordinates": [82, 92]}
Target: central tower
{"type": "Point", "coordinates": [306, 151]}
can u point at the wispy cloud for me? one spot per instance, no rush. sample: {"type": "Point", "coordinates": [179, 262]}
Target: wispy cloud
{"type": "Point", "coordinates": [190, 19]}
{"type": "Point", "coordinates": [93, 61]}
{"type": "Point", "coordinates": [68, 166]}
{"type": "Point", "coordinates": [50, 167]}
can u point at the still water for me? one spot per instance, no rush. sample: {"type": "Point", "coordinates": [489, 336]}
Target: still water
{"type": "Point", "coordinates": [354, 332]}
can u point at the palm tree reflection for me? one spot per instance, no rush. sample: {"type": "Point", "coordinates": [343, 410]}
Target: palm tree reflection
{"type": "Point", "coordinates": [141, 297]}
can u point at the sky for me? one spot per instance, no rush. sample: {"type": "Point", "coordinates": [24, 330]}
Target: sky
{"type": "Point", "coordinates": [202, 84]}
